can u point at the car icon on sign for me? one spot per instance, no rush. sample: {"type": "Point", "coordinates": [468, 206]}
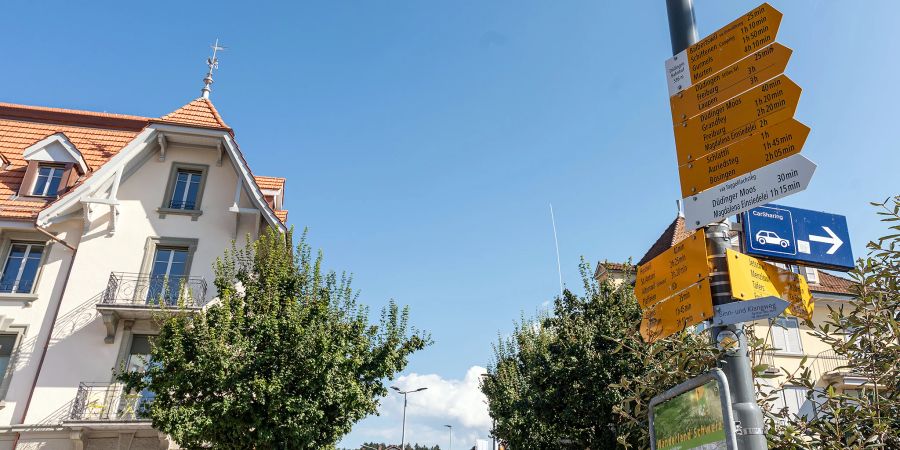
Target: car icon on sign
{"type": "Point", "coordinates": [770, 238]}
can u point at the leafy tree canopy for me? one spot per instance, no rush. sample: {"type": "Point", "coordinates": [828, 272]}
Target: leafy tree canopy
{"type": "Point", "coordinates": [580, 376]}
{"type": "Point", "coordinates": [286, 358]}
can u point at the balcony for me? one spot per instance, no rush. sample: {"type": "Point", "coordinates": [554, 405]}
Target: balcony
{"type": "Point", "coordinates": [825, 366]}
{"type": "Point", "coordinates": [108, 402]}
{"type": "Point", "coordinates": [132, 296]}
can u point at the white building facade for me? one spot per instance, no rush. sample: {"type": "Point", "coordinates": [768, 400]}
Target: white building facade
{"type": "Point", "coordinates": [106, 221]}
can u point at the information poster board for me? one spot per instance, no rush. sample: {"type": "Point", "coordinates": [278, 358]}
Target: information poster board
{"type": "Point", "coordinates": [695, 415]}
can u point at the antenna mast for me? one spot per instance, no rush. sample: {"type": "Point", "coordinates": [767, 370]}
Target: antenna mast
{"type": "Point", "coordinates": [556, 241]}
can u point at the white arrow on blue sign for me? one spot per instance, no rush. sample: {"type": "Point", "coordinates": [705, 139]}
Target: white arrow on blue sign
{"type": "Point", "coordinates": [798, 236]}
{"type": "Point", "coordinates": [748, 310]}
{"type": "Point", "coordinates": [769, 183]}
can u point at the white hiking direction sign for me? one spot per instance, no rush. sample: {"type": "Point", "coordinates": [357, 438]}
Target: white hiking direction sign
{"type": "Point", "coordinates": [748, 310]}
{"type": "Point", "coordinates": [764, 185]}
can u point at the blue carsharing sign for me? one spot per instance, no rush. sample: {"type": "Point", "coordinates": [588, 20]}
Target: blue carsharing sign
{"type": "Point", "coordinates": [798, 236]}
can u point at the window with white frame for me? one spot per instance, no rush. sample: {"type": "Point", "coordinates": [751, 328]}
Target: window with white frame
{"type": "Point", "coordinates": [21, 267]}
{"type": "Point", "coordinates": [795, 399]}
{"type": "Point", "coordinates": [184, 192]}
{"type": "Point", "coordinates": [187, 186]}
{"type": "Point", "coordinates": [812, 275]}
{"type": "Point", "coordinates": [49, 177]}
{"type": "Point", "coordinates": [786, 335]}
{"type": "Point", "coordinates": [7, 343]}
{"type": "Point", "coordinates": [132, 405]}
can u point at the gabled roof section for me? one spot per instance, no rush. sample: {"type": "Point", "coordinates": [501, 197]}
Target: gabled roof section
{"type": "Point", "coordinates": [605, 267]}
{"type": "Point", "coordinates": [673, 235]}
{"type": "Point", "coordinates": [97, 137]}
{"type": "Point", "coordinates": [269, 183]}
{"type": "Point", "coordinates": [65, 151]}
{"type": "Point", "coordinates": [273, 190]}
{"type": "Point", "coordinates": [199, 112]}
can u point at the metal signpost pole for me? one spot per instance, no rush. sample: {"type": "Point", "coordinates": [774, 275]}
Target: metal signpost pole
{"type": "Point", "coordinates": [735, 363]}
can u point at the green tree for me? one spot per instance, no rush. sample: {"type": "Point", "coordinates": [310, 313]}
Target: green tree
{"type": "Point", "coordinates": [865, 332]}
{"type": "Point", "coordinates": [582, 375]}
{"type": "Point", "coordinates": [286, 358]}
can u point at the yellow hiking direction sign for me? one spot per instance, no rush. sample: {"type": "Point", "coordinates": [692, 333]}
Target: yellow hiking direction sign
{"type": "Point", "coordinates": [767, 104]}
{"type": "Point", "coordinates": [759, 149]}
{"type": "Point", "coordinates": [745, 35]}
{"type": "Point", "coordinates": [752, 278]}
{"type": "Point", "coordinates": [681, 265]}
{"type": "Point", "coordinates": [688, 307]}
{"type": "Point", "coordinates": [729, 82]}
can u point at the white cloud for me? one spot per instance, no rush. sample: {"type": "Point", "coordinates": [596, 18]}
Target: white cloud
{"type": "Point", "coordinates": [456, 402]}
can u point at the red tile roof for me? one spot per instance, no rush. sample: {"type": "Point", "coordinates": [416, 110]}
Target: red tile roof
{"type": "Point", "coordinates": [831, 284]}
{"type": "Point", "coordinates": [673, 234]}
{"type": "Point", "coordinates": [199, 112]}
{"type": "Point", "coordinates": [613, 265]}
{"type": "Point", "coordinates": [281, 214]}
{"type": "Point", "coordinates": [604, 267]}
{"type": "Point", "coordinates": [97, 135]}
{"type": "Point", "coordinates": [69, 116]}
{"type": "Point", "coordinates": [270, 183]}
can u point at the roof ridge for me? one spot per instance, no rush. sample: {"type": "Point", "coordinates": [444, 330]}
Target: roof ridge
{"type": "Point", "coordinates": [84, 112]}
{"type": "Point", "coordinates": [198, 112]}
{"type": "Point", "coordinates": [71, 117]}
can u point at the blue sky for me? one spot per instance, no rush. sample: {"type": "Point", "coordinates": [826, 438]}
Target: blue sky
{"type": "Point", "coordinates": [424, 140]}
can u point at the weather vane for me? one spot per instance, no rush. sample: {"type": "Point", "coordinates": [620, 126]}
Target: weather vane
{"type": "Point", "coordinates": [213, 64]}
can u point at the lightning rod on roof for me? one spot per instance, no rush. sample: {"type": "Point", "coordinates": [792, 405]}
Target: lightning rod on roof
{"type": "Point", "coordinates": [213, 64]}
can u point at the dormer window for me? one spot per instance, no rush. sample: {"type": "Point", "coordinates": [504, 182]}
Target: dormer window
{"type": "Point", "coordinates": [48, 180]}
{"type": "Point", "coordinates": [54, 165]}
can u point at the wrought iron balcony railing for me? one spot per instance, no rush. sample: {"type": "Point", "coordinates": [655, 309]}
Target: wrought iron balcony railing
{"type": "Point", "coordinates": [109, 402]}
{"type": "Point", "coordinates": [825, 363]}
{"type": "Point", "coordinates": [133, 289]}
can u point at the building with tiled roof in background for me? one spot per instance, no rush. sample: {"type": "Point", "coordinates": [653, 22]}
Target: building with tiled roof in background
{"type": "Point", "coordinates": [789, 335]}
{"type": "Point", "coordinates": [103, 217]}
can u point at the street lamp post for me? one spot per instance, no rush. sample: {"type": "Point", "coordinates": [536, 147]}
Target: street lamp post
{"type": "Point", "coordinates": [450, 447]}
{"type": "Point", "coordinates": [403, 432]}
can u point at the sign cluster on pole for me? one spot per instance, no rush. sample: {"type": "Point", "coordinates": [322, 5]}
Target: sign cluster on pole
{"type": "Point", "coordinates": [738, 148]}
{"type": "Point", "coordinates": [737, 142]}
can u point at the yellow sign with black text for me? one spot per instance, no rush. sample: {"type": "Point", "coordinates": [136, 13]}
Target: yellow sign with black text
{"type": "Point", "coordinates": [752, 278]}
{"type": "Point", "coordinates": [734, 41]}
{"type": "Point", "coordinates": [769, 103]}
{"type": "Point", "coordinates": [688, 307]}
{"type": "Point", "coordinates": [741, 76]}
{"type": "Point", "coordinates": [758, 150]}
{"type": "Point", "coordinates": [683, 264]}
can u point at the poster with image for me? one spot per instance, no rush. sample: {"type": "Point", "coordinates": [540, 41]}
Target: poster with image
{"type": "Point", "coordinates": [692, 420]}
